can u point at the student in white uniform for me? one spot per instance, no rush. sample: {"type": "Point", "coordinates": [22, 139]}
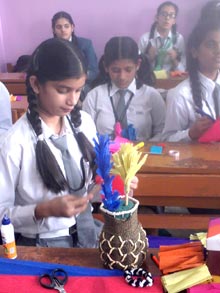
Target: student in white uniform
{"type": "Point", "coordinates": [189, 103]}
{"type": "Point", "coordinates": [163, 45]}
{"type": "Point", "coordinates": [122, 68]}
{"type": "Point", "coordinates": [35, 193]}
{"type": "Point", "coordinates": [5, 110]}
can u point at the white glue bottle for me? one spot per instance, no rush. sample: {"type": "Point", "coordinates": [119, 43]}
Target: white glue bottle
{"type": "Point", "coordinates": [8, 238]}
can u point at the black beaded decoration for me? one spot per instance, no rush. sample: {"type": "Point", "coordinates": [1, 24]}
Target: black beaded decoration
{"type": "Point", "coordinates": [138, 278]}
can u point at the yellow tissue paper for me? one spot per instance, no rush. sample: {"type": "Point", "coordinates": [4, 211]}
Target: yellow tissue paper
{"type": "Point", "coordinates": [161, 74]}
{"type": "Point", "coordinates": [126, 163]}
{"type": "Point", "coordinates": [182, 280]}
{"type": "Point", "coordinates": [199, 236]}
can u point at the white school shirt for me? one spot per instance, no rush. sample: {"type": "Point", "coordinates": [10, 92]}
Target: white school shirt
{"type": "Point", "coordinates": [5, 110]}
{"type": "Point", "coordinates": [21, 186]}
{"type": "Point", "coordinates": [146, 110]}
{"type": "Point", "coordinates": [156, 43]}
{"type": "Point", "coordinates": [181, 113]}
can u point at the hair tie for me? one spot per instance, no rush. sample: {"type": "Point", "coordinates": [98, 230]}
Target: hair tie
{"type": "Point", "coordinates": [40, 137]}
{"type": "Point", "coordinates": [144, 279]}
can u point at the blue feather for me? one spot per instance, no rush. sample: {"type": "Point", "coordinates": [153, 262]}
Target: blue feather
{"type": "Point", "coordinates": [111, 199]}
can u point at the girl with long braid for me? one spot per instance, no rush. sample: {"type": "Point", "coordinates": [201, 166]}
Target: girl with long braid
{"type": "Point", "coordinates": [163, 45]}
{"type": "Point", "coordinates": [124, 70]}
{"type": "Point", "coordinates": [34, 186]}
{"type": "Point", "coordinates": [194, 104]}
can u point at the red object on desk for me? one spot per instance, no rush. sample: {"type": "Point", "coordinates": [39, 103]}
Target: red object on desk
{"type": "Point", "coordinates": [212, 134]}
{"type": "Point", "coordinates": [86, 284]}
{"type": "Point", "coordinates": [178, 73]}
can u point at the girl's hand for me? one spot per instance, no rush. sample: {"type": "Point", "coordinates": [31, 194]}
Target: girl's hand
{"type": "Point", "coordinates": [152, 53]}
{"type": "Point", "coordinates": [199, 127]}
{"type": "Point", "coordinates": [62, 206]}
{"type": "Point", "coordinates": [173, 54]}
{"type": "Point", "coordinates": [134, 183]}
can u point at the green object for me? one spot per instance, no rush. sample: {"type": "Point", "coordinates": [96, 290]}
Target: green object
{"type": "Point", "coordinates": [160, 59]}
{"type": "Point", "coordinates": [124, 207]}
{"type": "Point", "coordinates": [162, 52]}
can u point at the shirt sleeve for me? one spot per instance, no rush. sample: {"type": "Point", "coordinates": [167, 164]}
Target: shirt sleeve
{"type": "Point", "coordinates": [157, 114]}
{"type": "Point", "coordinates": [143, 42]}
{"type": "Point", "coordinates": [177, 118]}
{"type": "Point", "coordinates": [180, 46]}
{"type": "Point", "coordinates": [89, 104]}
{"type": "Point", "coordinates": [5, 109]}
{"type": "Point", "coordinates": [9, 178]}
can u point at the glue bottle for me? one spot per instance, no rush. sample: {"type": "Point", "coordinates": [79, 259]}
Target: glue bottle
{"type": "Point", "coordinates": [8, 238]}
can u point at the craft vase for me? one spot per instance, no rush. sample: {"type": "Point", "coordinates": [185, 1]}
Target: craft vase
{"type": "Point", "coordinates": [123, 243]}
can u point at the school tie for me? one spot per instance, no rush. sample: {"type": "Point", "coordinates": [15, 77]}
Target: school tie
{"type": "Point", "coordinates": [216, 99]}
{"type": "Point", "coordinates": [121, 108]}
{"type": "Point", "coordinates": [86, 231]}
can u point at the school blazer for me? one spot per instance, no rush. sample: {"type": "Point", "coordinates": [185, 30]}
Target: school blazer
{"type": "Point", "coordinates": [86, 47]}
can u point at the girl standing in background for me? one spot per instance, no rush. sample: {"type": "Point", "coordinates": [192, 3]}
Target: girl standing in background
{"type": "Point", "coordinates": [64, 28]}
{"type": "Point", "coordinates": [163, 45]}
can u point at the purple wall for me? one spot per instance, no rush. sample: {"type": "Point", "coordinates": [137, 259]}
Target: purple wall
{"type": "Point", "coordinates": [25, 23]}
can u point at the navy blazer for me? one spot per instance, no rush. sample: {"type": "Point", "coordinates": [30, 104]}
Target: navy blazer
{"type": "Point", "coordinates": [85, 45]}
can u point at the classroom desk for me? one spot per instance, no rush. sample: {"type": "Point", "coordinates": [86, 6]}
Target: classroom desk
{"type": "Point", "coordinates": [84, 257]}
{"type": "Point", "coordinates": [191, 181]}
{"type": "Point", "coordinates": [169, 83]}
{"type": "Point", "coordinates": [15, 82]}
{"type": "Point", "coordinates": [18, 108]}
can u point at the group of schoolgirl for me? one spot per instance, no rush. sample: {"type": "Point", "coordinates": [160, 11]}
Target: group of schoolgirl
{"type": "Point", "coordinates": [44, 205]}
{"type": "Point", "coordinates": [191, 107]}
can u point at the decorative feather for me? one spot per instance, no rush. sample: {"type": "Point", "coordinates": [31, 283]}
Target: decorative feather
{"type": "Point", "coordinates": [111, 198]}
{"type": "Point", "coordinates": [126, 163]}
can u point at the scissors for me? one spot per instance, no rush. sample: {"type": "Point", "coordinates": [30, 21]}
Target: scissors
{"type": "Point", "coordinates": [55, 280]}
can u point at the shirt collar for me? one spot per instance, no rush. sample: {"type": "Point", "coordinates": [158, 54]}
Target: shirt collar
{"type": "Point", "coordinates": [157, 35]}
{"type": "Point", "coordinates": [131, 88]}
{"type": "Point", "coordinates": [47, 131]}
{"type": "Point", "coordinates": [207, 82]}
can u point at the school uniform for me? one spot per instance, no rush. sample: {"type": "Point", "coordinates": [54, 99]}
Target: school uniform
{"type": "Point", "coordinates": [21, 185]}
{"type": "Point", "coordinates": [5, 110]}
{"type": "Point", "coordinates": [146, 110]}
{"type": "Point", "coordinates": [181, 114]}
{"type": "Point", "coordinates": [158, 42]}
{"type": "Point", "coordinates": [85, 45]}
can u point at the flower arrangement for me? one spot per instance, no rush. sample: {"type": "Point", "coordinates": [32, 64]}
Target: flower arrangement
{"type": "Point", "coordinates": [125, 163]}
{"type": "Point", "coordinates": [122, 243]}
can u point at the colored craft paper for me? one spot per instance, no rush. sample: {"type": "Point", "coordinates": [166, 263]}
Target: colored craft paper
{"type": "Point", "coordinates": [185, 279]}
{"type": "Point", "coordinates": [213, 235]}
{"type": "Point", "coordinates": [161, 74]}
{"type": "Point", "coordinates": [175, 258]}
{"type": "Point", "coordinates": [156, 150]}
{"type": "Point", "coordinates": [212, 134]}
{"type": "Point", "coordinates": [204, 288]}
{"type": "Point", "coordinates": [22, 276]}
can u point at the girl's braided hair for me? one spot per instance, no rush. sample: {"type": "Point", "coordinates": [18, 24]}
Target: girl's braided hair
{"type": "Point", "coordinates": [55, 60]}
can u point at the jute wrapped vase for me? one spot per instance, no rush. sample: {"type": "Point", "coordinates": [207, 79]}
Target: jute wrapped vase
{"type": "Point", "coordinates": [123, 243]}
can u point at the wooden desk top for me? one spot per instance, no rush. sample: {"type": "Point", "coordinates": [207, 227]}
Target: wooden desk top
{"type": "Point", "coordinates": [195, 158]}
{"type": "Point", "coordinates": [10, 77]}
{"type": "Point", "coordinates": [169, 83]}
{"type": "Point", "coordinates": [70, 256]}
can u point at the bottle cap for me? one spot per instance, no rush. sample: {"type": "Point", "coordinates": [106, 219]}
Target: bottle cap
{"type": "Point", "coordinates": [6, 220]}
